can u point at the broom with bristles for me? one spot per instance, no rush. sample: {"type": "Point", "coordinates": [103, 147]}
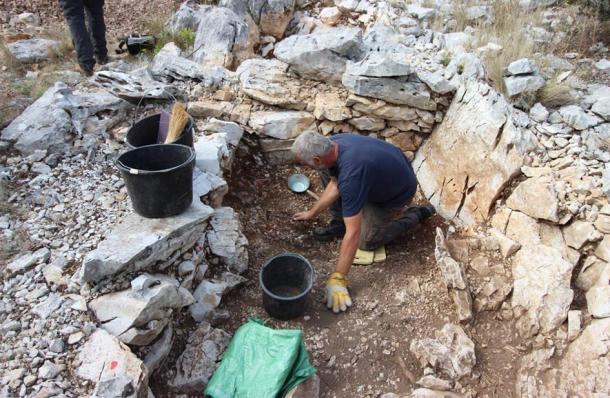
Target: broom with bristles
{"type": "Point", "coordinates": [177, 122]}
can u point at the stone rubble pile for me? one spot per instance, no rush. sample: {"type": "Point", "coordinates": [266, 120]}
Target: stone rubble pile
{"type": "Point", "coordinates": [536, 183]}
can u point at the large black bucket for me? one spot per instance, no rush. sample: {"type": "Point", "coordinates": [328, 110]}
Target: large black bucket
{"type": "Point", "coordinates": [145, 132]}
{"type": "Point", "coordinates": [286, 280]}
{"type": "Point", "coordinates": [159, 178]}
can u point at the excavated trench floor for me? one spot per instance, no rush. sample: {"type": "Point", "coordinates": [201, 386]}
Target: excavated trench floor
{"type": "Point", "coordinates": [365, 351]}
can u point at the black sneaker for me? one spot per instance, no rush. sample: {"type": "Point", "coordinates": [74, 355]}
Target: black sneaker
{"type": "Point", "coordinates": [102, 60]}
{"type": "Point", "coordinates": [427, 211]}
{"type": "Point", "coordinates": [336, 229]}
{"type": "Point", "coordinates": [87, 70]}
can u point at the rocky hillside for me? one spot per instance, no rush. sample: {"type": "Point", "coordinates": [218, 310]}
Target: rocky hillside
{"type": "Point", "coordinates": [507, 127]}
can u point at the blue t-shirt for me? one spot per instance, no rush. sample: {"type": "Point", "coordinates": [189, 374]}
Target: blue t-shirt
{"type": "Point", "coordinates": [371, 170]}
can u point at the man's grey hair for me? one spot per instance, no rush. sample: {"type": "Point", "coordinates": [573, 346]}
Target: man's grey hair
{"type": "Point", "coordinates": [309, 145]}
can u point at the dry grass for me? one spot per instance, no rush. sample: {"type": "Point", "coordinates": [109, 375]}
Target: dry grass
{"type": "Point", "coordinates": [555, 94]}
{"type": "Point", "coordinates": [36, 87]}
{"type": "Point", "coordinates": [12, 64]}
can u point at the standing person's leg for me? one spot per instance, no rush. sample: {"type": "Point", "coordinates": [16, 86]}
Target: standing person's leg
{"type": "Point", "coordinates": [95, 18]}
{"type": "Point", "coordinates": [74, 12]}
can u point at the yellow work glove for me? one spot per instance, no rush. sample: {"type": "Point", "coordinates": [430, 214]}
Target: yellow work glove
{"type": "Point", "coordinates": [337, 296]}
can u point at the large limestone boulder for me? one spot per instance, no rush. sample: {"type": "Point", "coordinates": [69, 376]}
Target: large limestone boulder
{"type": "Point", "coordinates": [268, 81]}
{"type": "Point", "coordinates": [581, 372]}
{"type": "Point", "coordinates": [472, 155]}
{"type": "Point", "coordinates": [451, 355]}
{"type": "Point", "coordinates": [140, 243]}
{"type": "Point", "coordinates": [199, 360]}
{"type": "Point", "coordinates": [541, 288]}
{"type": "Point", "coordinates": [138, 315]}
{"type": "Point", "coordinates": [265, 17]}
{"type": "Point", "coordinates": [321, 55]}
{"type": "Point", "coordinates": [281, 125]}
{"type": "Point", "coordinates": [52, 120]}
{"type": "Point", "coordinates": [222, 38]}
{"type": "Point", "coordinates": [537, 198]}
{"type": "Point", "coordinates": [169, 65]}
{"type": "Point", "coordinates": [32, 50]}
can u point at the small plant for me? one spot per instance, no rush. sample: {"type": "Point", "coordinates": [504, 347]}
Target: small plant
{"type": "Point", "coordinates": [446, 59]}
{"type": "Point", "coordinates": [12, 64]}
{"type": "Point", "coordinates": [36, 87]}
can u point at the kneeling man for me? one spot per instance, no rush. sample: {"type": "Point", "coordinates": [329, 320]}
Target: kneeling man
{"type": "Point", "coordinates": [368, 182]}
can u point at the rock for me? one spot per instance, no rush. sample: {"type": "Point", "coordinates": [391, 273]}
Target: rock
{"type": "Point", "coordinates": [397, 91]}
{"type": "Point", "coordinates": [580, 232]}
{"type": "Point", "coordinates": [381, 109]}
{"type": "Point", "coordinates": [493, 293]}
{"type": "Point", "coordinates": [405, 141]}
{"type": "Point", "coordinates": [212, 153]}
{"type": "Point", "coordinates": [451, 354]}
{"type": "Point", "coordinates": [48, 371]}
{"type": "Point", "coordinates": [199, 360]}
{"type": "Point", "coordinates": [603, 65]}
{"type": "Point", "coordinates": [159, 350]}
{"type": "Point", "coordinates": [465, 66]}
{"type": "Point", "coordinates": [104, 358]}
{"type": "Point", "coordinates": [467, 161]}
{"type": "Point", "coordinates": [282, 125]}
{"type": "Point", "coordinates": [379, 65]}
{"type": "Point", "coordinates": [209, 293]}
{"type": "Point", "coordinates": [436, 82]}
{"type": "Point", "coordinates": [222, 38]}
{"type": "Point", "coordinates": [135, 87]}
{"type": "Point", "coordinates": [537, 198]}
{"type": "Point", "coordinates": [48, 306]}
{"type": "Point", "coordinates": [274, 16]}
{"type": "Point", "coordinates": [57, 346]}
{"type": "Point", "coordinates": [226, 240]}
{"type": "Point", "coordinates": [75, 338]}
{"type": "Point", "coordinates": [421, 13]}
{"type": "Point", "coordinates": [508, 247]}
{"type": "Point", "coordinates": [310, 388]}
{"type": "Point", "coordinates": [331, 106]}
{"type": "Point", "coordinates": [188, 16]}
{"type": "Point", "coordinates": [427, 393]}
{"type": "Point", "coordinates": [138, 243]}
{"type": "Point", "coordinates": [541, 288]}
{"type": "Point", "coordinates": [592, 270]}
{"type": "Point", "coordinates": [20, 264]}
{"type": "Point", "coordinates": [209, 187]}
{"type": "Point", "coordinates": [321, 55]}
{"type": "Point", "coordinates": [602, 108]}
{"type": "Point", "coordinates": [366, 123]}
{"type": "Point", "coordinates": [582, 369]}
{"type": "Point", "coordinates": [575, 117]}
{"type": "Point", "coordinates": [516, 85]}
{"type": "Point", "coordinates": [233, 131]}
{"type": "Point", "coordinates": [138, 315]}
{"type": "Point", "coordinates": [330, 15]}
{"type": "Point", "coordinates": [539, 113]}
{"type": "Point", "coordinates": [574, 323]}
{"type": "Point", "coordinates": [598, 298]}
{"type": "Point", "coordinates": [268, 81]}
{"type": "Point", "coordinates": [454, 278]}
{"type": "Point", "coordinates": [523, 66]}
{"type": "Point", "coordinates": [33, 50]}
{"type": "Point", "coordinates": [169, 65]}
{"type": "Point", "coordinates": [435, 383]}
{"type": "Point", "coordinates": [43, 125]}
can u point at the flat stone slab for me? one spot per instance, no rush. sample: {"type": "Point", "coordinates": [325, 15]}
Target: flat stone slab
{"type": "Point", "coordinates": [138, 243]}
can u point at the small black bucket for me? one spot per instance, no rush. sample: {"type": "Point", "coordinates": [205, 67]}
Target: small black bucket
{"type": "Point", "coordinates": [145, 132]}
{"type": "Point", "coordinates": [286, 280]}
{"type": "Point", "coordinates": [159, 178]}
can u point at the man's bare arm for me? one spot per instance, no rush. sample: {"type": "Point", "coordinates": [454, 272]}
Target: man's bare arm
{"type": "Point", "coordinates": [329, 196]}
{"type": "Point", "coordinates": [349, 245]}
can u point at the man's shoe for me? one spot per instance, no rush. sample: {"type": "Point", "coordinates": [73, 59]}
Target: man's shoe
{"type": "Point", "coordinates": [336, 229]}
{"type": "Point", "coordinates": [427, 211]}
{"type": "Point", "coordinates": [87, 70]}
{"type": "Point", "coordinates": [103, 60]}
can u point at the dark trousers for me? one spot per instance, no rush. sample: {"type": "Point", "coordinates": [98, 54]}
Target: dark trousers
{"type": "Point", "coordinates": [88, 40]}
{"type": "Point", "coordinates": [380, 225]}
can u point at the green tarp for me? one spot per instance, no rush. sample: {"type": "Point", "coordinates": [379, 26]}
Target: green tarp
{"type": "Point", "coordinates": [261, 362]}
